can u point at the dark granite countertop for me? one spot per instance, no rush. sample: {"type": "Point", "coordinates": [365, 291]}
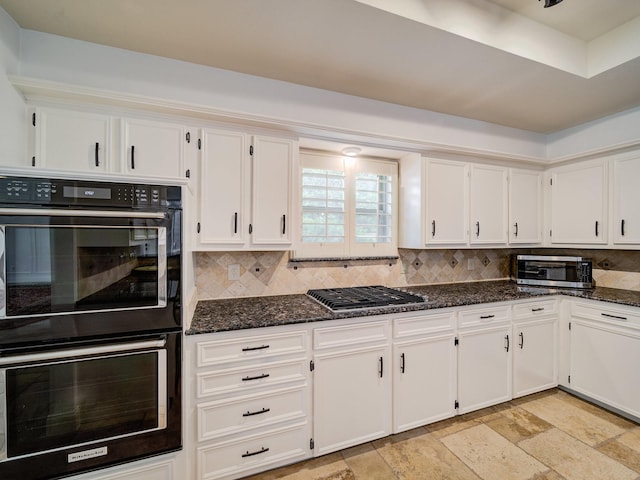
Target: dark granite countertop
{"type": "Point", "coordinates": [253, 312]}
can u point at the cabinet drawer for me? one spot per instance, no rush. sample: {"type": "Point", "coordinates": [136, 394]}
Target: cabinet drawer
{"type": "Point", "coordinates": [484, 316]}
{"type": "Point", "coordinates": [216, 352]}
{"type": "Point", "coordinates": [535, 309]}
{"type": "Point", "coordinates": [606, 314]}
{"type": "Point", "coordinates": [424, 324]}
{"type": "Point", "coordinates": [252, 454]}
{"type": "Point", "coordinates": [245, 379]}
{"type": "Point", "coordinates": [241, 414]}
{"type": "Point", "coordinates": [346, 335]}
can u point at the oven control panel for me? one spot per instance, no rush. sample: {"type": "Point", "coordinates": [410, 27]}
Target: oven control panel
{"type": "Point", "coordinates": [65, 193]}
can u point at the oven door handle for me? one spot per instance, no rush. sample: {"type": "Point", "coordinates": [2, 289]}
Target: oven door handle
{"type": "Point", "coordinates": [64, 354]}
{"type": "Point", "coordinates": [79, 213]}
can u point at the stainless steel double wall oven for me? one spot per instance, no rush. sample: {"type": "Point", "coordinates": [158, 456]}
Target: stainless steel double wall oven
{"type": "Point", "coordinates": [90, 325]}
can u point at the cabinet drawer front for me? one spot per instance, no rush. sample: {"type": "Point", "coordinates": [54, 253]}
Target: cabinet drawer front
{"type": "Point", "coordinates": [241, 414]}
{"type": "Point", "coordinates": [246, 379]}
{"type": "Point", "coordinates": [253, 454]}
{"type": "Point", "coordinates": [535, 309]}
{"type": "Point", "coordinates": [345, 335]}
{"type": "Point", "coordinates": [609, 315]}
{"type": "Point", "coordinates": [485, 316]}
{"type": "Point", "coordinates": [424, 324]}
{"type": "Point", "coordinates": [217, 352]}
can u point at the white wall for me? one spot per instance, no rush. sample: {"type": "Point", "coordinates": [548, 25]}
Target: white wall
{"type": "Point", "coordinates": [12, 109]}
{"type": "Point", "coordinates": [303, 109]}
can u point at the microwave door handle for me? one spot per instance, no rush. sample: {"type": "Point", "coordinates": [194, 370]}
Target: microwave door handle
{"type": "Point", "coordinates": [79, 213]}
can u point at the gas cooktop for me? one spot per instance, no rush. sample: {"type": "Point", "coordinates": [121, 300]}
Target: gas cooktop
{"type": "Point", "coordinates": [351, 298]}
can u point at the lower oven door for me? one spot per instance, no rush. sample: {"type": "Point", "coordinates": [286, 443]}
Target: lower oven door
{"type": "Point", "coordinates": [82, 406]}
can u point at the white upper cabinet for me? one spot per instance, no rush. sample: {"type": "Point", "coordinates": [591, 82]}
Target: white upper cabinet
{"type": "Point", "coordinates": [488, 210]}
{"type": "Point", "coordinates": [71, 140]}
{"type": "Point", "coordinates": [626, 201]}
{"type": "Point", "coordinates": [153, 149]}
{"type": "Point", "coordinates": [272, 180]}
{"type": "Point", "coordinates": [447, 202]}
{"type": "Point", "coordinates": [579, 203]}
{"type": "Point", "coordinates": [246, 191]}
{"type": "Point", "coordinates": [525, 206]}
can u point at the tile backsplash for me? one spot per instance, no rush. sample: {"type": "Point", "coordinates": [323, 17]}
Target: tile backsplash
{"type": "Point", "coordinates": [272, 273]}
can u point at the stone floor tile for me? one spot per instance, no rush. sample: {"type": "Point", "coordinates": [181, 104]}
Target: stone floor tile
{"type": "Point", "coordinates": [451, 425]}
{"type": "Point", "coordinates": [621, 453]}
{"type": "Point", "coordinates": [597, 411]}
{"type": "Point", "coordinates": [491, 456]}
{"type": "Point", "coordinates": [516, 424]}
{"type": "Point", "coordinates": [366, 463]}
{"type": "Point", "coordinates": [579, 423]}
{"type": "Point", "coordinates": [631, 439]}
{"type": "Point", "coordinates": [424, 458]}
{"type": "Point", "coordinates": [573, 459]}
{"type": "Point", "coordinates": [327, 467]}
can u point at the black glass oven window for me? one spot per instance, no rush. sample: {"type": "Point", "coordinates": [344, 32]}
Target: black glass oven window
{"type": "Point", "coordinates": [57, 405]}
{"type": "Point", "coordinates": [67, 269]}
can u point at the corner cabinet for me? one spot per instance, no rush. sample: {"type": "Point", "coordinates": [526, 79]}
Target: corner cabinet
{"type": "Point", "coordinates": [579, 203]}
{"type": "Point", "coordinates": [246, 191]}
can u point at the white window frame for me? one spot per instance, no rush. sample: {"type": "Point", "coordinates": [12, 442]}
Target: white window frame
{"type": "Point", "coordinates": [350, 248]}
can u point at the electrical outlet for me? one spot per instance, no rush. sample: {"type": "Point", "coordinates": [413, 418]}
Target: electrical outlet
{"type": "Point", "coordinates": [233, 271]}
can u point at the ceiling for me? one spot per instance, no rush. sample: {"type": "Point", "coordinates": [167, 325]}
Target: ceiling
{"type": "Point", "coordinates": [508, 62]}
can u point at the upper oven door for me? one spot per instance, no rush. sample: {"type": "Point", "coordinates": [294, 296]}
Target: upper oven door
{"type": "Point", "coordinates": [60, 262]}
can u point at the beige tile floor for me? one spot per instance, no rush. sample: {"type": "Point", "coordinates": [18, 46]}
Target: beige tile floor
{"type": "Point", "coordinates": [548, 436]}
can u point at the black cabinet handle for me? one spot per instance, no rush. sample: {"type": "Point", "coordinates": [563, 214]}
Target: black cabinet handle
{"type": "Point", "coordinates": [515, 225]}
{"type": "Point", "coordinates": [622, 227]}
{"type": "Point", "coordinates": [235, 222]}
{"type": "Point", "coordinates": [133, 157]}
{"type": "Point", "coordinates": [284, 224]}
{"type": "Point", "coordinates": [477, 229]}
{"type": "Point", "coordinates": [402, 363]}
{"type": "Point", "coordinates": [257, 377]}
{"type": "Point", "coordinates": [597, 227]}
{"type": "Point", "coordinates": [262, 450]}
{"type": "Point", "coordinates": [433, 228]}
{"type": "Point", "coordinates": [259, 412]}
{"type": "Point", "coordinates": [250, 349]}
{"type": "Point", "coordinates": [537, 309]}
{"type": "Point", "coordinates": [250, 229]}
{"type": "Point", "coordinates": [97, 159]}
{"type": "Point", "coordinates": [506, 337]}
{"type": "Point", "coordinates": [521, 340]}
{"type": "Point", "coordinates": [381, 371]}
{"type": "Point", "coordinates": [484, 317]}
{"type": "Point", "coordinates": [613, 316]}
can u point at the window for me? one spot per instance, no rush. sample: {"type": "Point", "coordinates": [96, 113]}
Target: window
{"type": "Point", "coordinates": [348, 207]}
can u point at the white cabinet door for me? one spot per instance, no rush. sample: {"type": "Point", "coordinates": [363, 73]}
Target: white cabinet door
{"type": "Point", "coordinates": [534, 356]}
{"type": "Point", "coordinates": [72, 140]}
{"type": "Point", "coordinates": [488, 212]}
{"type": "Point", "coordinates": [626, 191]}
{"type": "Point", "coordinates": [351, 397]}
{"type": "Point", "coordinates": [272, 219]}
{"type": "Point", "coordinates": [604, 364]}
{"type": "Point", "coordinates": [153, 149]}
{"type": "Point", "coordinates": [447, 200]}
{"type": "Point", "coordinates": [525, 206]}
{"type": "Point", "coordinates": [484, 367]}
{"type": "Point", "coordinates": [224, 188]}
{"type": "Point", "coordinates": [424, 381]}
{"type": "Point", "coordinates": [578, 204]}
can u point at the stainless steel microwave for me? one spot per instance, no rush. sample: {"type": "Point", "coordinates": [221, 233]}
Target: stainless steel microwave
{"type": "Point", "coordinates": [554, 271]}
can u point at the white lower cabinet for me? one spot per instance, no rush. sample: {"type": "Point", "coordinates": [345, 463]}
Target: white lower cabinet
{"type": "Point", "coordinates": [351, 385]}
{"type": "Point", "coordinates": [424, 369]}
{"type": "Point", "coordinates": [251, 408]}
{"type": "Point", "coordinates": [484, 357]}
{"type": "Point", "coordinates": [535, 358]}
{"type": "Point", "coordinates": [605, 355]}
{"type": "Point", "coordinates": [153, 469]}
